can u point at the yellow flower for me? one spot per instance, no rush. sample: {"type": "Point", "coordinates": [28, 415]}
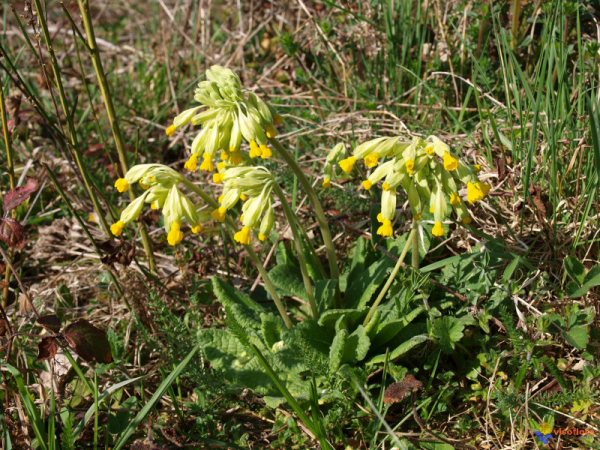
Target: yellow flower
{"type": "Point", "coordinates": [372, 160]}
{"type": "Point", "coordinates": [221, 197]}
{"type": "Point", "coordinates": [367, 184]}
{"type": "Point", "coordinates": [474, 194]}
{"type": "Point", "coordinates": [380, 218]}
{"type": "Point", "coordinates": [429, 150]}
{"type": "Point", "coordinates": [386, 186]}
{"type": "Point", "coordinates": [254, 150]}
{"type": "Point", "coordinates": [243, 197]}
{"type": "Point", "coordinates": [224, 155]}
{"type": "Point", "coordinates": [454, 198]}
{"type": "Point", "coordinates": [265, 152]}
{"type": "Point", "coordinates": [477, 168]}
{"type": "Point", "coordinates": [410, 166]}
{"type": "Point", "coordinates": [117, 228]}
{"type": "Point", "coordinates": [218, 178]}
{"type": "Point", "coordinates": [171, 131]}
{"type": "Point", "coordinates": [386, 229]}
{"type": "Point", "coordinates": [271, 132]}
{"type": "Point", "coordinates": [262, 237]}
{"type": "Point", "coordinates": [545, 428]}
{"type": "Point", "coordinates": [207, 165]}
{"type": "Point", "coordinates": [220, 166]}
{"type": "Point", "coordinates": [417, 217]}
{"type": "Point", "coordinates": [242, 218]}
{"type": "Point", "coordinates": [219, 214]}
{"type": "Point", "coordinates": [175, 235]}
{"type": "Point", "coordinates": [347, 164]}
{"type": "Point", "coordinates": [438, 229]}
{"type": "Point", "coordinates": [192, 163]}
{"type": "Point", "coordinates": [277, 120]}
{"type": "Point", "coordinates": [431, 209]}
{"type": "Point", "coordinates": [467, 220]}
{"type": "Point", "coordinates": [450, 162]}
{"type": "Point", "coordinates": [122, 185]}
{"type": "Point", "coordinates": [483, 187]}
{"type": "Point", "coordinates": [236, 158]}
{"type": "Point", "coordinates": [243, 236]}
{"type": "Point", "coordinates": [326, 183]}
{"type": "Point", "coordinates": [144, 186]}
{"type": "Point", "coordinates": [154, 205]}
{"type": "Point", "coordinates": [197, 228]}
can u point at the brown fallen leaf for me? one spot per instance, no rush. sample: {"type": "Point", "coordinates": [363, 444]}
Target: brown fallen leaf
{"type": "Point", "coordinates": [397, 391]}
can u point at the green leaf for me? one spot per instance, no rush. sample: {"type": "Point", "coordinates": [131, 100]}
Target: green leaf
{"type": "Point", "coordinates": [591, 279]}
{"type": "Point", "coordinates": [336, 354]}
{"type": "Point", "coordinates": [324, 294]}
{"type": "Point", "coordinates": [229, 295]}
{"type": "Point", "coordinates": [575, 269]}
{"type": "Point", "coordinates": [578, 337]}
{"type": "Point", "coordinates": [400, 350]}
{"type": "Point", "coordinates": [388, 330]}
{"type": "Point", "coordinates": [362, 288]}
{"type": "Point", "coordinates": [288, 280]}
{"type": "Point", "coordinates": [448, 330]}
{"type": "Point", "coordinates": [272, 328]}
{"type": "Point", "coordinates": [357, 346]}
{"type": "Point", "coordinates": [353, 316]}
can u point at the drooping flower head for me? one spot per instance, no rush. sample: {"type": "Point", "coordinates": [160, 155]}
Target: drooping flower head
{"type": "Point", "coordinates": [228, 115]}
{"type": "Point", "coordinates": [427, 170]}
{"type": "Point", "coordinates": [160, 184]}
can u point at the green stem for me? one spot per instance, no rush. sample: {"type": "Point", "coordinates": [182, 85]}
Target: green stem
{"type": "Point", "coordinates": [69, 118]}
{"type": "Point", "coordinates": [316, 204]}
{"type": "Point", "coordinates": [298, 243]}
{"type": "Point", "coordinates": [407, 246]}
{"type": "Point", "coordinates": [110, 112]}
{"type": "Point", "coordinates": [415, 246]}
{"type": "Point", "coordinates": [95, 410]}
{"type": "Point", "coordinates": [257, 262]}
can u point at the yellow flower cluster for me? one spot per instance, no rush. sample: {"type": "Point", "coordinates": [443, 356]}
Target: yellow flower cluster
{"type": "Point", "coordinates": [160, 184]}
{"type": "Point", "coordinates": [229, 114]}
{"type": "Point", "coordinates": [426, 169]}
{"type": "Point", "coordinates": [253, 186]}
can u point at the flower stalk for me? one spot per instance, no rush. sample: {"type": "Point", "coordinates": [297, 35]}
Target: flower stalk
{"type": "Point", "coordinates": [407, 246]}
{"type": "Point", "coordinates": [255, 259]}
{"type": "Point", "coordinates": [110, 112]}
{"type": "Point", "coordinates": [297, 241]}
{"type": "Point", "coordinates": [316, 204]}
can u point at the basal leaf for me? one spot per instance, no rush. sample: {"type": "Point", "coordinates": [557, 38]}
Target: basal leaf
{"type": "Point", "coordinates": [324, 294]}
{"type": "Point", "coordinates": [229, 295]}
{"type": "Point", "coordinates": [288, 280]}
{"type": "Point", "coordinates": [336, 353]}
{"type": "Point", "coordinates": [361, 289]}
{"type": "Point", "coordinates": [575, 269]}
{"type": "Point", "coordinates": [400, 350]}
{"type": "Point", "coordinates": [578, 337]}
{"type": "Point", "coordinates": [357, 346]}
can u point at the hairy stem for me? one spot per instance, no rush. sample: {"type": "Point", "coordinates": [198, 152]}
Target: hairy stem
{"type": "Point", "coordinates": [415, 246]}
{"type": "Point", "coordinates": [257, 262]}
{"type": "Point", "coordinates": [112, 117]}
{"type": "Point", "coordinates": [298, 243]}
{"type": "Point", "coordinates": [388, 283]}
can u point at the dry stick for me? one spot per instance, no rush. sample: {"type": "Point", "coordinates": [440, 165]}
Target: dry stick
{"type": "Point", "coordinates": [85, 230]}
{"type": "Point", "coordinates": [297, 241]}
{"type": "Point", "coordinates": [257, 262]}
{"type": "Point", "coordinates": [11, 176]}
{"type": "Point", "coordinates": [112, 117]}
{"type": "Point", "coordinates": [72, 132]}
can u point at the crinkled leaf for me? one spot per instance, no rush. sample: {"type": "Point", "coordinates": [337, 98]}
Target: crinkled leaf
{"type": "Point", "coordinates": [228, 295]}
{"type": "Point", "coordinates": [336, 353]}
{"type": "Point", "coordinates": [288, 280]}
{"type": "Point", "coordinates": [362, 287]}
{"type": "Point", "coordinates": [12, 233]}
{"type": "Point", "coordinates": [272, 328]}
{"type": "Point", "coordinates": [50, 322]}
{"type": "Point", "coordinates": [88, 341]}
{"type": "Point", "coordinates": [324, 294]}
{"type": "Point", "coordinates": [47, 348]}
{"type": "Point", "coordinates": [400, 350]}
{"type": "Point", "coordinates": [16, 196]}
{"type": "Point", "coordinates": [353, 316]}
{"type": "Point", "coordinates": [357, 346]}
